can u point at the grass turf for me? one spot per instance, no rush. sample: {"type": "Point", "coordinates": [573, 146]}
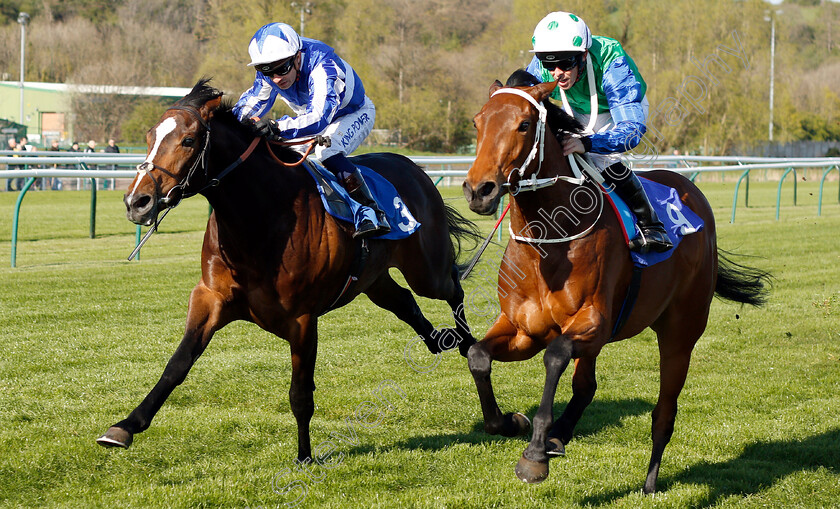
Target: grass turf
{"type": "Point", "coordinates": [85, 334]}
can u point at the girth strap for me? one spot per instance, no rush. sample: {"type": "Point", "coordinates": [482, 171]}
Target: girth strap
{"type": "Point", "coordinates": [629, 301]}
{"type": "Point", "coordinates": [360, 257]}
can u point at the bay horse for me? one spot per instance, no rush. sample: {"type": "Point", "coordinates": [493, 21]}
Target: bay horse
{"type": "Point", "coordinates": [564, 294]}
{"type": "Point", "coordinates": [273, 256]}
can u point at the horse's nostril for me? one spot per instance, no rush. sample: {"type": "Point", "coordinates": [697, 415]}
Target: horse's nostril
{"type": "Point", "coordinates": [486, 189]}
{"type": "Point", "coordinates": [141, 202]}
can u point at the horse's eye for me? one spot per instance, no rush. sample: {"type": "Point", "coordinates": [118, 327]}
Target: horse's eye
{"type": "Point", "coordinates": [188, 142]}
{"type": "Point", "coordinates": [523, 127]}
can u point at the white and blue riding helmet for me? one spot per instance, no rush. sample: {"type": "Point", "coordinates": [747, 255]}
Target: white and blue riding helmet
{"type": "Point", "coordinates": [273, 42]}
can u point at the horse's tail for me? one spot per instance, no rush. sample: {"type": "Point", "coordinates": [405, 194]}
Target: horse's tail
{"type": "Point", "coordinates": [741, 283]}
{"type": "Point", "coordinates": [461, 229]}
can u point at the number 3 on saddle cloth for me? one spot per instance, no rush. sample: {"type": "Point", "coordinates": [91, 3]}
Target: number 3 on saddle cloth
{"type": "Point", "coordinates": [678, 219]}
{"type": "Point", "coordinates": [339, 204]}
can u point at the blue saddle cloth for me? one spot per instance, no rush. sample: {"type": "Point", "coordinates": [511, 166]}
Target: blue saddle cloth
{"type": "Point", "coordinates": [678, 219]}
{"type": "Point", "coordinates": [339, 204]}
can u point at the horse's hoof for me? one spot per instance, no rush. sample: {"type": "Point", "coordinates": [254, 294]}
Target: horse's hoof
{"type": "Point", "coordinates": [115, 437]}
{"type": "Point", "coordinates": [522, 422]}
{"type": "Point", "coordinates": [531, 472]}
{"type": "Point", "coordinates": [554, 447]}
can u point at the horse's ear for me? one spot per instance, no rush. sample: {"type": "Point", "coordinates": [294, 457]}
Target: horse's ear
{"type": "Point", "coordinates": [495, 86]}
{"type": "Point", "coordinates": [543, 90]}
{"type": "Point", "coordinates": [210, 106]}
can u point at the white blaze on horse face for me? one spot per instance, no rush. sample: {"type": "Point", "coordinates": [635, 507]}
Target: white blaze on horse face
{"type": "Point", "coordinates": [163, 129]}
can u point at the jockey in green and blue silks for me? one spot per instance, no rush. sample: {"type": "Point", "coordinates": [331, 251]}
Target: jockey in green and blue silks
{"type": "Point", "coordinates": [622, 107]}
{"type": "Point", "coordinates": [328, 98]}
{"type": "Point", "coordinates": [600, 85]}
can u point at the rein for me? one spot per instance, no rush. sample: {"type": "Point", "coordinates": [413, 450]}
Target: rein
{"type": "Point", "coordinates": [147, 167]}
{"type": "Point", "coordinates": [312, 142]}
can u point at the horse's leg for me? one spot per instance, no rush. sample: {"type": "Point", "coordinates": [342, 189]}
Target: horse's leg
{"type": "Point", "coordinates": [583, 390]}
{"type": "Point", "coordinates": [533, 465]}
{"type": "Point", "coordinates": [204, 318]}
{"type": "Point", "coordinates": [304, 347]}
{"type": "Point", "coordinates": [387, 294]}
{"type": "Point", "coordinates": [674, 357]}
{"type": "Point", "coordinates": [480, 357]}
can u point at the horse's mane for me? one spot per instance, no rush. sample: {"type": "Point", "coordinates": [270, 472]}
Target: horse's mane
{"type": "Point", "coordinates": [559, 122]}
{"type": "Point", "coordinates": [202, 92]}
{"type": "Point", "coordinates": [199, 95]}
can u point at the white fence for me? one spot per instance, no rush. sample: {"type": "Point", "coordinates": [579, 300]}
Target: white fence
{"type": "Point", "coordinates": [34, 165]}
{"type": "Point", "coordinates": [42, 164]}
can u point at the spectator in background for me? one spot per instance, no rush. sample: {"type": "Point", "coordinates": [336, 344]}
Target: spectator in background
{"type": "Point", "coordinates": [49, 182]}
{"type": "Point", "coordinates": [74, 147]}
{"type": "Point", "coordinates": [112, 148]}
{"type": "Point", "coordinates": [12, 145]}
{"type": "Point", "coordinates": [24, 146]}
{"type": "Point", "coordinates": [91, 148]}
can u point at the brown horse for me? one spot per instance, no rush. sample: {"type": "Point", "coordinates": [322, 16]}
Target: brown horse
{"type": "Point", "coordinates": [274, 257]}
{"type": "Point", "coordinates": [565, 296]}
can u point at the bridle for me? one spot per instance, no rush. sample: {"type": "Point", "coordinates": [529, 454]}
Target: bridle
{"type": "Point", "coordinates": [200, 162]}
{"type": "Point", "coordinates": [533, 183]}
{"type": "Point", "coordinates": [146, 167]}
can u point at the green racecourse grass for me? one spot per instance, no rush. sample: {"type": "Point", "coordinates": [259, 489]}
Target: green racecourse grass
{"type": "Point", "coordinates": [85, 334]}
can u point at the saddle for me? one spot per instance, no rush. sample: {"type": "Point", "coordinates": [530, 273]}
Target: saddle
{"type": "Point", "coordinates": [339, 204]}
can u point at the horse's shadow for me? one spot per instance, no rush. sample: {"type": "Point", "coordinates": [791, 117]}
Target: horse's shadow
{"type": "Point", "coordinates": [759, 466]}
{"type": "Point", "coordinates": [598, 416]}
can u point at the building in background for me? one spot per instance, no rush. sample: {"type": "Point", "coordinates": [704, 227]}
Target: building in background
{"type": "Point", "coordinates": [47, 107]}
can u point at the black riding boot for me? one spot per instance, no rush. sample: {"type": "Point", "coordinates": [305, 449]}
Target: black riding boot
{"type": "Point", "coordinates": [359, 191]}
{"type": "Point", "coordinates": [629, 188]}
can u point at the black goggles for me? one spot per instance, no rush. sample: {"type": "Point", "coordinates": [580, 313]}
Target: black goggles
{"type": "Point", "coordinates": [565, 64]}
{"type": "Point", "coordinates": [274, 68]}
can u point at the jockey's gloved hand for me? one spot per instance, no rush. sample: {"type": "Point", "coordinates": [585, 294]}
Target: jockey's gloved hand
{"type": "Point", "coordinates": [265, 128]}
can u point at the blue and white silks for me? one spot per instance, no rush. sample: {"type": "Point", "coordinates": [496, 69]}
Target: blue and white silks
{"type": "Point", "coordinates": [326, 88]}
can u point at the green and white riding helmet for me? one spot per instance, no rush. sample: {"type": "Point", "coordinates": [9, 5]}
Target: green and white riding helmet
{"type": "Point", "coordinates": [560, 35]}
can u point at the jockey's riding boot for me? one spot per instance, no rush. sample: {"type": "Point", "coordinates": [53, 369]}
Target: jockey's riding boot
{"type": "Point", "coordinates": [357, 188]}
{"type": "Point", "coordinates": [629, 188]}
{"type": "Point", "coordinates": [354, 183]}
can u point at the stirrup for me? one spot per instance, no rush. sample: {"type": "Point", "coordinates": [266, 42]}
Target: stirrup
{"type": "Point", "coordinates": [651, 239]}
{"type": "Point", "coordinates": [384, 226]}
{"type": "Point", "coordinates": [366, 229]}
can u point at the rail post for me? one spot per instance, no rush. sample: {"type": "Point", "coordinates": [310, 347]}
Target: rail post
{"type": "Point", "coordinates": [779, 193]}
{"type": "Point", "coordinates": [822, 182]}
{"type": "Point", "coordinates": [137, 241]}
{"type": "Point", "coordinates": [29, 182]}
{"type": "Point", "coordinates": [745, 175]}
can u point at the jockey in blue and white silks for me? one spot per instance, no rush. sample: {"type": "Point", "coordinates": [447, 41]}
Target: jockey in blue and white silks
{"type": "Point", "coordinates": [610, 102]}
{"type": "Point", "coordinates": [328, 99]}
